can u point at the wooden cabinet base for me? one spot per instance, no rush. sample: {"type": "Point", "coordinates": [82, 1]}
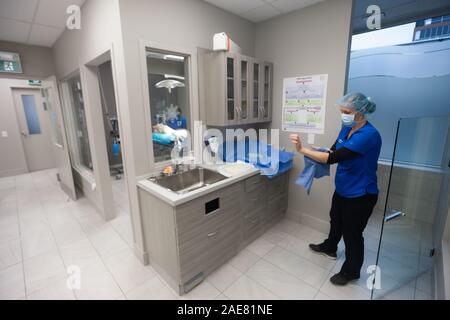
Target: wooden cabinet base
{"type": "Point", "coordinates": [187, 243]}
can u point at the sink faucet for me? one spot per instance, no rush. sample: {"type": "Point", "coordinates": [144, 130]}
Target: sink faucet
{"type": "Point", "coordinates": [174, 169]}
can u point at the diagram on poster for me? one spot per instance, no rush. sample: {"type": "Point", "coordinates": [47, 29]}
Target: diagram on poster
{"type": "Point", "coordinates": [304, 100]}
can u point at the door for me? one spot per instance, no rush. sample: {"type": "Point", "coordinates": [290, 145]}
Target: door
{"type": "Point", "coordinates": [415, 194]}
{"type": "Point", "coordinates": [266, 92]}
{"type": "Point", "coordinates": [35, 129]}
{"type": "Point", "coordinates": [60, 147]}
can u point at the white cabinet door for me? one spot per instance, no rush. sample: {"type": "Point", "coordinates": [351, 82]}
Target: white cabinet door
{"type": "Point", "coordinates": [232, 89]}
{"type": "Point", "coordinates": [266, 91]}
{"type": "Point", "coordinates": [256, 79]}
{"type": "Point", "coordinates": [244, 93]}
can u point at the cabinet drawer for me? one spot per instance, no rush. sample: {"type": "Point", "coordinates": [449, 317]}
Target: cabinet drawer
{"type": "Point", "coordinates": [253, 200]}
{"type": "Point", "coordinates": [277, 187]}
{"type": "Point", "coordinates": [254, 183]}
{"type": "Point", "coordinates": [215, 206]}
{"type": "Point", "coordinates": [202, 252]}
{"type": "Point", "coordinates": [277, 207]}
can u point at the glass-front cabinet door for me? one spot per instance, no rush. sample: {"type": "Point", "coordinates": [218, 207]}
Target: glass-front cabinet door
{"type": "Point", "coordinates": [255, 92]}
{"type": "Point", "coordinates": [232, 99]}
{"type": "Point", "coordinates": [266, 92]}
{"type": "Point", "coordinates": [244, 89]}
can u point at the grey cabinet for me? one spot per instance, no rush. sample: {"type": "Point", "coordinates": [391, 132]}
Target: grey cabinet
{"type": "Point", "coordinates": [237, 89]}
{"type": "Point", "coordinates": [187, 242]}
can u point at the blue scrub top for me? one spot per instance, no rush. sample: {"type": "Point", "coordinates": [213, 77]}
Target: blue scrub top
{"type": "Point", "coordinates": [177, 123]}
{"type": "Point", "coordinates": [358, 176]}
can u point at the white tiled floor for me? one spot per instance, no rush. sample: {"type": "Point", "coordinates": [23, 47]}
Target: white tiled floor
{"type": "Point", "coordinates": [42, 233]}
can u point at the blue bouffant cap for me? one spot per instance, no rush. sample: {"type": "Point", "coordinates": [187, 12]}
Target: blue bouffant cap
{"type": "Point", "coordinates": [358, 102]}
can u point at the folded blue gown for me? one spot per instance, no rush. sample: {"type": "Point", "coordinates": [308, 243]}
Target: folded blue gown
{"type": "Point", "coordinates": [313, 170]}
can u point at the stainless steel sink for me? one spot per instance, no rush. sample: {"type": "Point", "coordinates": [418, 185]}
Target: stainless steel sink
{"type": "Point", "coordinates": [188, 181]}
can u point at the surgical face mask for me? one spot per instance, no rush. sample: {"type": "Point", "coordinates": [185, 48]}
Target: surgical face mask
{"type": "Point", "coordinates": [348, 120]}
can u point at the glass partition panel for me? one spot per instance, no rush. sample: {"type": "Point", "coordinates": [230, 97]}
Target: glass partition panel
{"type": "Point", "coordinates": [414, 194]}
{"type": "Point", "coordinates": [169, 103]}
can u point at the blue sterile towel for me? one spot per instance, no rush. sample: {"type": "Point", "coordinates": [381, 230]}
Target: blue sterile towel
{"type": "Point", "coordinates": [163, 138]}
{"type": "Point", "coordinates": [259, 154]}
{"type": "Point", "coordinates": [313, 170]}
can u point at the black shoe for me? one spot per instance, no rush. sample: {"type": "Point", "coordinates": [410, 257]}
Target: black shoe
{"type": "Point", "coordinates": [318, 249]}
{"type": "Point", "coordinates": [341, 279]}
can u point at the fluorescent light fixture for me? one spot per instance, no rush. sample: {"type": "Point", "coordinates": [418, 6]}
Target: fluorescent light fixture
{"type": "Point", "coordinates": [167, 76]}
{"type": "Point", "coordinates": [173, 57]}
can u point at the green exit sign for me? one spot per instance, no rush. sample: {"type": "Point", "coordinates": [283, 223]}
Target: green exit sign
{"type": "Point", "coordinates": [34, 82]}
{"type": "Point", "coordinates": [10, 62]}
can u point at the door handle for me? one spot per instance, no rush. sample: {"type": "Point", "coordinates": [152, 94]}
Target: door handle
{"type": "Point", "coordinates": [24, 134]}
{"type": "Point", "coordinates": [394, 215]}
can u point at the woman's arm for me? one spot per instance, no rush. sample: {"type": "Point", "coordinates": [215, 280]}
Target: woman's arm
{"type": "Point", "coordinates": [318, 156]}
{"type": "Point", "coordinates": [323, 157]}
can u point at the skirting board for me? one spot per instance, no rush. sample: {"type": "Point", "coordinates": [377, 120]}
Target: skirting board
{"type": "Point", "coordinates": [309, 221]}
{"type": "Point", "coordinates": [141, 255]}
{"type": "Point", "coordinates": [14, 172]}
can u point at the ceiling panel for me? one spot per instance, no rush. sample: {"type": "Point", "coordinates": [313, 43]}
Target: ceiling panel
{"type": "Point", "coordinates": [260, 10]}
{"type": "Point", "coordinates": [261, 13]}
{"type": "Point", "coordinates": [43, 35]}
{"type": "Point", "coordinates": [36, 22]}
{"type": "Point", "coordinates": [22, 10]}
{"type": "Point", "coordinates": [292, 5]}
{"type": "Point", "coordinates": [236, 6]}
{"type": "Point", "coordinates": [53, 12]}
{"type": "Point", "coordinates": [15, 31]}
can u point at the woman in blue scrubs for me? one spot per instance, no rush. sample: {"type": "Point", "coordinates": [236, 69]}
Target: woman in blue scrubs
{"type": "Point", "coordinates": [356, 152]}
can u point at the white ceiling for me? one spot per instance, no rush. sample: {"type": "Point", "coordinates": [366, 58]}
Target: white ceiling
{"type": "Point", "coordinates": [260, 10]}
{"type": "Point", "coordinates": [35, 22]}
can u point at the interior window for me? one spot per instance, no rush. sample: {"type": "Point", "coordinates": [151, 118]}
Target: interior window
{"type": "Point", "coordinates": [31, 114]}
{"type": "Point", "coordinates": [169, 104]}
{"type": "Point", "coordinates": [56, 127]}
{"type": "Point", "coordinates": [80, 151]}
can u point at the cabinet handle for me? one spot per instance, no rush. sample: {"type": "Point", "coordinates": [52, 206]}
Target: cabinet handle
{"type": "Point", "coordinates": [212, 234]}
{"type": "Point", "coordinates": [255, 199]}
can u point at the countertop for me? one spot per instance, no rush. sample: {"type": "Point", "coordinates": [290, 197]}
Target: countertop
{"type": "Point", "coordinates": [175, 199]}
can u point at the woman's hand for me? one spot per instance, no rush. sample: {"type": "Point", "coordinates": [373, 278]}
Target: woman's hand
{"type": "Point", "coordinates": [295, 139]}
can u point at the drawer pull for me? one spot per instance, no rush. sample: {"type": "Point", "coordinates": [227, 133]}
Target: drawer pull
{"type": "Point", "coordinates": [212, 234]}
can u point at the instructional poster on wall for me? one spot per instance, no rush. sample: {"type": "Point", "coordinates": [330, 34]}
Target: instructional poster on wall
{"type": "Point", "coordinates": [304, 100]}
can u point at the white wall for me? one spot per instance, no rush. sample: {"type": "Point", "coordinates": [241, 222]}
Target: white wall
{"type": "Point", "coordinates": [313, 40]}
{"type": "Point", "coordinates": [37, 63]}
{"type": "Point", "coordinates": [100, 32]}
{"type": "Point", "coordinates": [120, 24]}
{"type": "Point", "coordinates": [181, 23]}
